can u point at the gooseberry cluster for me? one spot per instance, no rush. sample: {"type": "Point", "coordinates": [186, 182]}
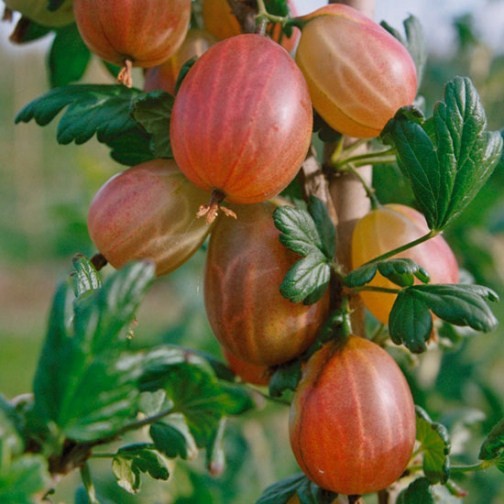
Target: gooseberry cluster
{"type": "Point", "coordinates": [241, 128]}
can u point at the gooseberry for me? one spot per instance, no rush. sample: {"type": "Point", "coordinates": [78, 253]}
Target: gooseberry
{"type": "Point", "coordinates": [133, 32]}
{"type": "Point", "coordinates": [387, 228]}
{"type": "Point", "coordinates": [352, 419]}
{"type": "Point", "coordinates": [242, 120]}
{"type": "Point", "coordinates": [358, 74]}
{"type": "Point", "coordinates": [245, 266]}
{"type": "Point", "coordinates": [147, 212]}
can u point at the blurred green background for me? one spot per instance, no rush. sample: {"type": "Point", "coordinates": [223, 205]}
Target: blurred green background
{"type": "Point", "coordinates": [45, 190]}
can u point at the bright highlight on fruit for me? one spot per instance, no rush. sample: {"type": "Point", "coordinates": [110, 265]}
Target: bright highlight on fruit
{"type": "Point", "coordinates": [352, 419]}
{"type": "Point", "coordinates": [358, 74]}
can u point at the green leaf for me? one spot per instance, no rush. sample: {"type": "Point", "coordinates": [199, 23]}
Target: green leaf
{"type": "Point", "coordinates": [85, 278]}
{"type": "Point", "coordinates": [298, 230]}
{"type": "Point", "coordinates": [459, 304]}
{"type": "Point", "coordinates": [410, 321]}
{"type": "Point", "coordinates": [300, 485]}
{"type": "Point", "coordinates": [435, 445]}
{"type": "Point", "coordinates": [68, 56]}
{"type": "Point", "coordinates": [361, 275]}
{"type": "Point", "coordinates": [285, 377]}
{"type": "Point", "coordinates": [85, 384]}
{"type": "Point", "coordinates": [313, 237]}
{"type": "Point", "coordinates": [93, 109]}
{"type": "Point", "coordinates": [132, 460]}
{"type": "Point", "coordinates": [493, 446]}
{"type": "Point", "coordinates": [153, 112]}
{"type": "Point", "coordinates": [402, 271]}
{"type": "Point", "coordinates": [449, 158]}
{"type": "Point", "coordinates": [418, 492]}
{"type": "Point", "coordinates": [172, 437]}
{"type": "Point", "coordinates": [195, 392]}
{"type": "Point", "coordinates": [307, 279]}
{"type": "Point", "coordinates": [23, 479]}
{"type": "Point", "coordinates": [324, 225]}
{"type": "Point", "coordinates": [160, 363]}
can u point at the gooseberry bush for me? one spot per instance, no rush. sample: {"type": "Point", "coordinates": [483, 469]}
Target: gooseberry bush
{"type": "Point", "coordinates": [237, 139]}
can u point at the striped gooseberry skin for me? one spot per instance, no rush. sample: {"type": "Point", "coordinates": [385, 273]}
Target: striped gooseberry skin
{"type": "Point", "coordinates": [358, 74]}
{"type": "Point", "coordinates": [148, 212]}
{"type": "Point", "coordinates": [245, 266]}
{"type": "Point", "coordinates": [387, 228]}
{"type": "Point", "coordinates": [242, 120]}
{"type": "Point", "coordinates": [144, 32]}
{"type": "Point", "coordinates": [352, 418]}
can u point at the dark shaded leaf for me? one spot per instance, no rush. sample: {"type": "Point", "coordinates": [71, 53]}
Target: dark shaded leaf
{"type": "Point", "coordinates": [93, 109]}
{"type": "Point", "coordinates": [410, 321]}
{"type": "Point", "coordinates": [68, 56]}
{"type": "Point", "coordinates": [300, 485]}
{"type": "Point", "coordinates": [449, 158]}
{"type": "Point", "coordinates": [435, 445]}
{"type": "Point", "coordinates": [417, 492]}
{"type": "Point", "coordinates": [402, 271]}
{"type": "Point", "coordinates": [361, 275]}
{"type": "Point", "coordinates": [285, 377]}
{"type": "Point", "coordinates": [324, 225]}
{"type": "Point", "coordinates": [461, 304]}
{"type": "Point", "coordinates": [172, 437]}
{"type": "Point", "coordinates": [153, 112]}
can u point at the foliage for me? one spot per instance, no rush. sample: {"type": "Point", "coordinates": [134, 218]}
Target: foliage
{"type": "Point", "coordinates": [151, 412]}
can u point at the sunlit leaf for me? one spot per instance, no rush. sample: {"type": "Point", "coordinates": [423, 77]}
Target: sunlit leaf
{"type": "Point", "coordinates": [84, 386]}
